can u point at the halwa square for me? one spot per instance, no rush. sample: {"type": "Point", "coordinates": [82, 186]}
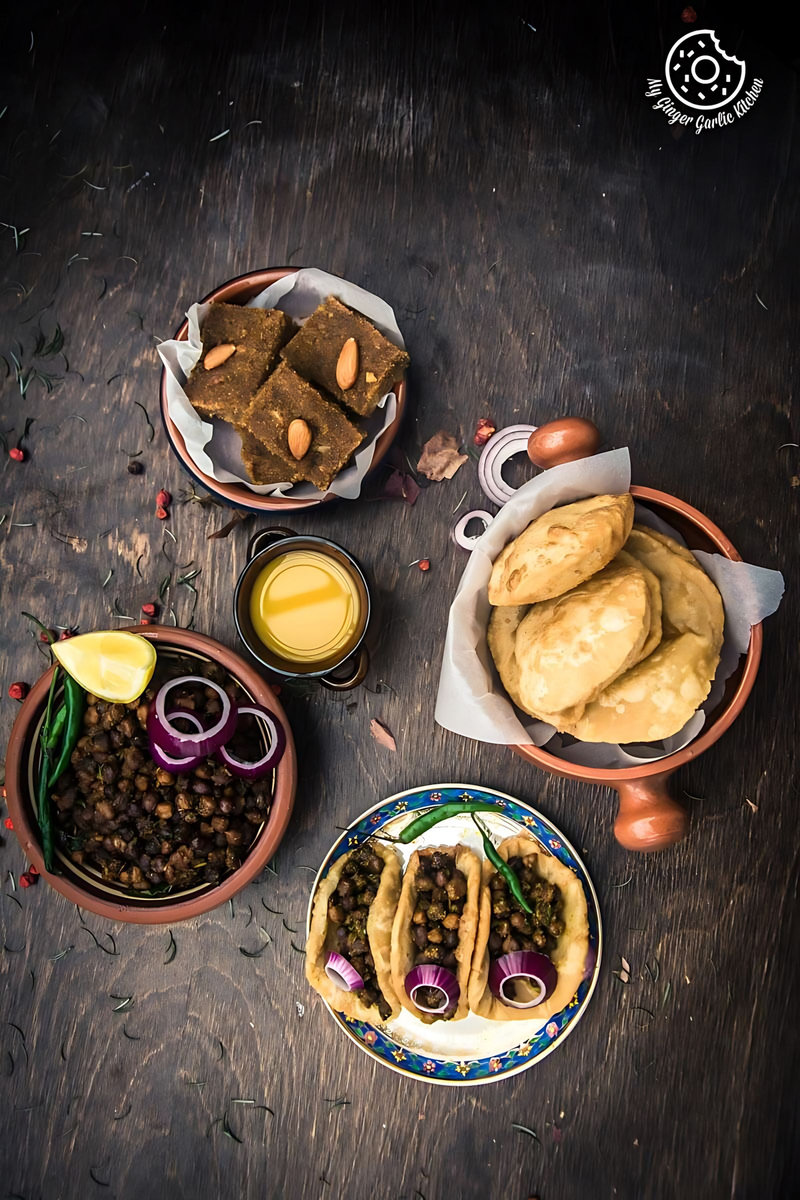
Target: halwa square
{"type": "Point", "coordinates": [286, 397]}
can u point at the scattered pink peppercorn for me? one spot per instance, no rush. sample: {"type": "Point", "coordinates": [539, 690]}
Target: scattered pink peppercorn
{"type": "Point", "coordinates": [9, 824]}
{"type": "Point", "coordinates": [146, 621]}
{"type": "Point", "coordinates": [18, 691]}
{"type": "Point", "coordinates": [163, 499]}
{"type": "Point", "coordinates": [17, 453]}
{"type": "Point", "coordinates": [150, 610]}
{"type": "Point", "coordinates": [424, 564]}
{"type": "Point", "coordinates": [483, 431]}
{"type": "Point", "coordinates": [25, 880]}
{"type": "Point", "coordinates": [45, 636]}
{"type": "Point", "coordinates": [688, 16]}
{"type": "Point", "coordinates": [65, 633]}
{"type": "Point", "coordinates": [32, 870]}
{"type": "Point", "coordinates": [161, 513]}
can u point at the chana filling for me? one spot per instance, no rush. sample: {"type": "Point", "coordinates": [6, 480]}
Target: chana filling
{"type": "Point", "coordinates": [441, 895]}
{"type": "Point", "coordinates": [514, 929]}
{"type": "Point", "coordinates": [143, 827]}
{"type": "Point", "coordinates": [348, 909]}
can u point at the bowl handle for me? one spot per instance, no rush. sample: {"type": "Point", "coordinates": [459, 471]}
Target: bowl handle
{"type": "Point", "coordinates": [563, 441]}
{"type": "Point", "coordinates": [267, 537]}
{"type": "Point", "coordinates": [360, 661]}
{"type": "Point", "coordinates": [648, 818]}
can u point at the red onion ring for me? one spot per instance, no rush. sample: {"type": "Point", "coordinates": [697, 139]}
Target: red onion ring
{"type": "Point", "coordinates": [535, 969]}
{"type": "Point", "coordinates": [430, 976]}
{"type": "Point", "coordinates": [276, 736]}
{"type": "Point", "coordinates": [167, 761]}
{"type": "Point", "coordinates": [343, 973]}
{"type": "Point", "coordinates": [496, 453]}
{"type": "Point", "coordinates": [206, 741]}
{"type": "Point", "coordinates": [465, 540]}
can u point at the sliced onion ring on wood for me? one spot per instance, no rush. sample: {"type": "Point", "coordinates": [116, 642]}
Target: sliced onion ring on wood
{"type": "Point", "coordinates": [276, 737]}
{"type": "Point", "coordinates": [168, 761]}
{"type": "Point", "coordinates": [496, 453]}
{"type": "Point", "coordinates": [525, 966]}
{"type": "Point", "coordinates": [207, 740]}
{"type": "Point", "coordinates": [430, 977]}
{"type": "Point", "coordinates": [459, 531]}
{"type": "Point", "coordinates": [343, 973]}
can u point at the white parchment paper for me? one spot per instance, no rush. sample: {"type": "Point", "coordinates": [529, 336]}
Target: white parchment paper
{"type": "Point", "coordinates": [214, 446]}
{"type": "Point", "coordinates": [471, 700]}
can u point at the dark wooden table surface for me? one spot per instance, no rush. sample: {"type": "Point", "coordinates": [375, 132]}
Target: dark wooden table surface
{"type": "Point", "coordinates": [550, 245]}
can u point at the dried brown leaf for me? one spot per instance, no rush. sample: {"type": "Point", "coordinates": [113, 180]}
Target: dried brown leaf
{"type": "Point", "coordinates": [382, 734]}
{"type": "Point", "coordinates": [440, 458]}
{"type": "Point", "coordinates": [231, 525]}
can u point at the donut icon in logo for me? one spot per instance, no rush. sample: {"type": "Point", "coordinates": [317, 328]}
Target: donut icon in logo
{"type": "Point", "coordinates": [700, 74]}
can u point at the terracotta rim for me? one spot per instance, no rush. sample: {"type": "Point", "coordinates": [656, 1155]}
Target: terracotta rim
{"type": "Point", "coordinates": [26, 829]}
{"type": "Point", "coordinates": [239, 290]}
{"type": "Point", "coordinates": [733, 705]}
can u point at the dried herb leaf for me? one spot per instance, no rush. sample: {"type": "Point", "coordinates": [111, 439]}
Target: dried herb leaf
{"type": "Point", "coordinates": [172, 949]}
{"type": "Point", "coordinates": [254, 953]}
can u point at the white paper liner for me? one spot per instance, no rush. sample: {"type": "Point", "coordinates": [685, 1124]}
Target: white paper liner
{"type": "Point", "coordinates": [215, 447]}
{"type": "Point", "coordinates": [471, 700]}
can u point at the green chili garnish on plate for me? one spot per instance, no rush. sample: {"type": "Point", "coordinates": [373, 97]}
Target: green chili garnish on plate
{"type": "Point", "coordinates": [433, 816]}
{"type": "Point", "coordinates": [500, 864]}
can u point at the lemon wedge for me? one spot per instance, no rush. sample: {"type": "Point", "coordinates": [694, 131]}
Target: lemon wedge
{"type": "Point", "coordinates": [113, 665]}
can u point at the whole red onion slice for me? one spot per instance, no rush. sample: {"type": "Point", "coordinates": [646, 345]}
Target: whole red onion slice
{"type": "Point", "coordinates": [343, 973]}
{"type": "Point", "coordinates": [427, 977]}
{"type": "Point", "coordinates": [459, 531]}
{"type": "Point", "coordinates": [526, 966]}
{"type": "Point", "coordinates": [276, 737]}
{"type": "Point", "coordinates": [168, 761]}
{"type": "Point", "coordinates": [496, 453]}
{"type": "Point", "coordinates": [206, 741]}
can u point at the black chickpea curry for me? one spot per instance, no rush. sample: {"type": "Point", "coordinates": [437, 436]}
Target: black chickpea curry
{"type": "Point", "coordinates": [506, 939]}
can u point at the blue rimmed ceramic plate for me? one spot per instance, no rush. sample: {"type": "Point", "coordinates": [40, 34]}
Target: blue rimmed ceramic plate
{"type": "Point", "coordinates": [475, 1050]}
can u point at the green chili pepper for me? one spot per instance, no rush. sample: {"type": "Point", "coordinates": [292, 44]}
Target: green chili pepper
{"type": "Point", "coordinates": [74, 705]}
{"type": "Point", "coordinates": [500, 864]}
{"type": "Point", "coordinates": [42, 792]}
{"type": "Point", "coordinates": [51, 737]}
{"type": "Point", "coordinates": [435, 815]}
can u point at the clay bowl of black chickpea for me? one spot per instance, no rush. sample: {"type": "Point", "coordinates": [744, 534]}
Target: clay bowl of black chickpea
{"type": "Point", "coordinates": [138, 834]}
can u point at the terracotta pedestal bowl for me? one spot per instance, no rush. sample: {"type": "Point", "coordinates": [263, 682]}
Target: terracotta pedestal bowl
{"type": "Point", "coordinates": [649, 818]}
{"type": "Point", "coordinates": [85, 887]}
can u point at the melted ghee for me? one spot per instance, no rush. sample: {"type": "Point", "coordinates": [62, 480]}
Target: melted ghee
{"type": "Point", "coordinates": [305, 607]}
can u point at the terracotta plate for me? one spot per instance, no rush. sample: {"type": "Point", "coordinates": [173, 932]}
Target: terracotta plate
{"type": "Point", "coordinates": [239, 291]}
{"type": "Point", "coordinates": [475, 1050]}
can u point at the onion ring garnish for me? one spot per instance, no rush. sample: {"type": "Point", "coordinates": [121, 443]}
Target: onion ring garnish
{"type": "Point", "coordinates": [276, 737]}
{"type": "Point", "coordinates": [496, 453]}
{"type": "Point", "coordinates": [202, 743]}
{"type": "Point", "coordinates": [459, 531]}
{"type": "Point", "coordinates": [343, 973]}
{"type": "Point", "coordinates": [525, 966]}
{"type": "Point", "coordinates": [440, 985]}
{"type": "Point", "coordinates": [168, 761]}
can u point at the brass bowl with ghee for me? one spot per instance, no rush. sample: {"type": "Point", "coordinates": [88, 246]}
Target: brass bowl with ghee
{"type": "Point", "coordinates": [302, 608]}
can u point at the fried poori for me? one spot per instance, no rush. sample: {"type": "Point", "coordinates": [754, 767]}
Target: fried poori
{"type": "Point", "coordinates": [654, 699]}
{"type": "Point", "coordinates": [570, 648]}
{"type": "Point", "coordinates": [561, 549]}
{"type": "Point", "coordinates": [691, 602]}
